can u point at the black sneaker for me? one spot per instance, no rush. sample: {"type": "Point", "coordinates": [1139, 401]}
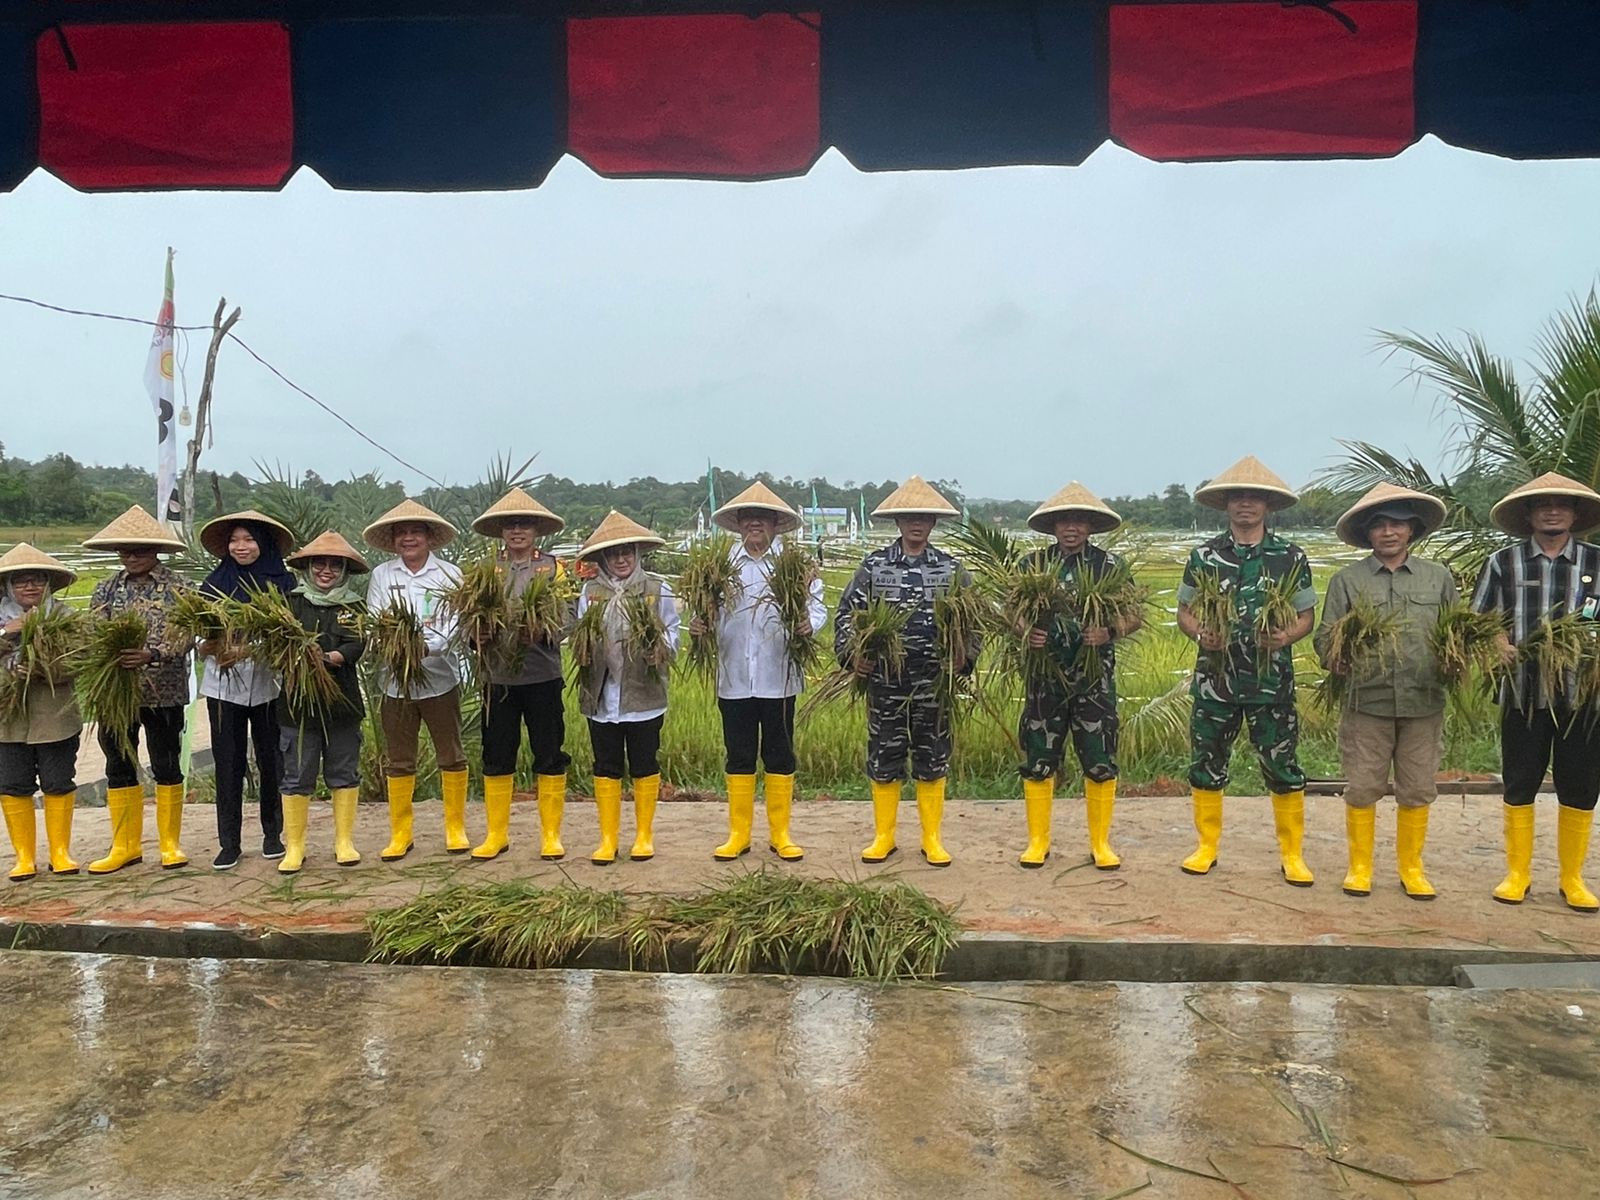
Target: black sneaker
{"type": "Point", "coordinates": [272, 846]}
{"type": "Point", "coordinates": [225, 860]}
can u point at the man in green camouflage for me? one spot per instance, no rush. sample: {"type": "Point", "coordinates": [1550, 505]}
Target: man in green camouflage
{"type": "Point", "coordinates": [1073, 701]}
{"type": "Point", "coordinates": [1244, 673]}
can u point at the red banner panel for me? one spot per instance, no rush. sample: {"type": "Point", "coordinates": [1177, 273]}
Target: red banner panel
{"type": "Point", "coordinates": [728, 97]}
{"type": "Point", "coordinates": [166, 105]}
{"type": "Point", "coordinates": [1251, 80]}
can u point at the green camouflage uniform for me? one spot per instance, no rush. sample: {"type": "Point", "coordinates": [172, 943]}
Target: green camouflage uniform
{"type": "Point", "coordinates": [1241, 686]}
{"type": "Point", "coordinates": [1078, 705]}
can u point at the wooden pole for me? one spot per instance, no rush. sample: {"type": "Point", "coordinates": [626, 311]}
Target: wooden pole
{"type": "Point", "coordinates": [202, 412]}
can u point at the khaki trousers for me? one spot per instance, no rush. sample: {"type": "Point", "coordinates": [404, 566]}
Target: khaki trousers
{"type": "Point", "coordinates": [1370, 746]}
{"type": "Point", "coordinates": [403, 718]}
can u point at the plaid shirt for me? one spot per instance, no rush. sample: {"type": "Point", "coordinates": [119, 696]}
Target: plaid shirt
{"type": "Point", "coordinates": [1529, 587]}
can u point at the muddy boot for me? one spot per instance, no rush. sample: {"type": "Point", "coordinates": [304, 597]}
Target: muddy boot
{"type": "Point", "coordinates": [1359, 824]}
{"type": "Point", "coordinates": [400, 788]}
{"type": "Point", "coordinates": [497, 815]}
{"type": "Point", "coordinates": [1289, 817]}
{"type": "Point", "coordinates": [1208, 825]}
{"type": "Point", "coordinates": [1099, 798]}
{"type": "Point", "coordinates": [58, 829]}
{"type": "Point", "coordinates": [1519, 854]}
{"type": "Point", "coordinates": [930, 811]}
{"type": "Point", "coordinates": [885, 810]}
{"type": "Point", "coordinates": [741, 815]}
{"type": "Point", "coordinates": [1038, 795]}
{"type": "Point", "coordinates": [23, 826]}
{"type": "Point", "coordinates": [1410, 832]}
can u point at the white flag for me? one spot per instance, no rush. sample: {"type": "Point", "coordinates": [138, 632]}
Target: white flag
{"type": "Point", "coordinates": [158, 382]}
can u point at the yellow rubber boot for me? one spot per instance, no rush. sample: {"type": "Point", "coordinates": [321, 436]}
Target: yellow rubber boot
{"type": "Point", "coordinates": [1359, 824]}
{"type": "Point", "coordinates": [296, 816]}
{"type": "Point", "coordinates": [1037, 798]}
{"type": "Point", "coordinates": [1519, 854]}
{"type": "Point", "coordinates": [344, 826]}
{"type": "Point", "coordinates": [497, 814]}
{"type": "Point", "coordinates": [1572, 847]}
{"type": "Point", "coordinates": [1099, 798]}
{"type": "Point", "coordinates": [552, 800]}
{"type": "Point", "coordinates": [885, 809]}
{"type": "Point", "coordinates": [741, 815]}
{"type": "Point", "coordinates": [1208, 825]}
{"type": "Point", "coordinates": [169, 824]}
{"type": "Point", "coordinates": [23, 826]}
{"type": "Point", "coordinates": [608, 806]}
{"type": "Point", "coordinates": [125, 808]}
{"type": "Point", "coordinates": [401, 788]}
{"type": "Point", "coordinates": [645, 793]}
{"type": "Point", "coordinates": [930, 811]}
{"type": "Point", "coordinates": [58, 829]}
{"type": "Point", "coordinates": [1289, 816]}
{"type": "Point", "coordinates": [780, 803]}
{"type": "Point", "coordinates": [1410, 832]}
{"type": "Point", "coordinates": [453, 784]}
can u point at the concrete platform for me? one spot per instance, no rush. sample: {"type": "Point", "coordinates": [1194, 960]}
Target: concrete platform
{"type": "Point", "coordinates": [215, 1080]}
{"type": "Point", "coordinates": [1147, 921]}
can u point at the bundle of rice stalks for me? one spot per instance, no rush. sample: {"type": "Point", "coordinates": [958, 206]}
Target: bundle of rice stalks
{"type": "Point", "coordinates": [708, 584]}
{"type": "Point", "coordinates": [775, 921]}
{"type": "Point", "coordinates": [541, 613]}
{"type": "Point", "coordinates": [587, 641]}
{"type": "Point", "coordinates": [50, 648]}
{"type": "Point", "coordinates": [960, 617]}
{"type": "Point", "coordinates": [877, 638]}
{"type": "Point", "coordinates": [1465, 642]}
{"type": "Point", "coordinates": [1215, 608]}
{"type": "Point", "coordinates": [394, 642]}
{"type": "Point", "coordinates": [503, 925]}
{"type": "Point", "coordinates": [646, 637]}
{"type": "Point", "coordinates": [789, 593]}
{"type": "Point", "coordinates": [1362, 641]}
{"type": "Point", "coordinates": [1113, 600]}
{"type": "Point", "coordinates": [108, 693]}
{"type": "Point", "coordinates": [1275, 614]}
{"type": "Point", "coordinates": [1024, 593]}
{"type": "Point", "coordinates": [482, 605]}
{"type": "Point", "coordinates": [194, 616]}
{"type": "Point", "coordinates": [276, 639]}
{"type": "Point", "coordinates": [1556, 651]}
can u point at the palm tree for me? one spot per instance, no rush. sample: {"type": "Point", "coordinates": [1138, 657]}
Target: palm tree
{"type": "Point", "coordinates": [1507, 431]}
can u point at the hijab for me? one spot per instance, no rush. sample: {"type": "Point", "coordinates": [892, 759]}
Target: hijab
{"type": "Point", "coordinates": [342, 594]}
{"type": "Point", "coordinates": [235, 582]}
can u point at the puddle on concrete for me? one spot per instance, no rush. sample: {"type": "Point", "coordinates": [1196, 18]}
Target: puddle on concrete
{"type": "Point", "coordinates": [207, 1078]}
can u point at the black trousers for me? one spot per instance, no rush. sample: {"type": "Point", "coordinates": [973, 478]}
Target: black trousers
{"type": "Point", "coordinates": [1568, 744]}
{"type": "Point", "coordinates": [163, 736]}
{"type": "Point", "coordinates": [233, 728]}
{"type": "Point", "coordinates": [50, 764]}
{"type": "Point", "coordinates": [626, 748]}
{"type": "Point", "coordinates": [510, 707]}
{"type": "Point", "coordinates": [758, 727]}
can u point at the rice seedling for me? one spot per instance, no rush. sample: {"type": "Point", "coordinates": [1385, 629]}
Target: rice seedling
{"type": "Point", "coordinates": [50, 646]}
{"type": "Point", "coordinates": [646, 636]}
{"type": "Point", "coordinates": [108, 692]}
{"type": "Point", "coordinates": [482, 604]}
{"type": "Point", "coordinates": [877, 639]}
{"type": "Point", "coordinates": [394, 642]}
{"type": "Point", "coordinates": [1362, 642]}
{"type": "Point", "coordinates": [1466, 642]}
{"type": "Point", "coordinates": [707, 585]}
{"type": "Point", "coordinates": [1275, 613]}
{"type": "Point", "coordinates": [503, 924]}
{"type": "Point", "coordinates": [1215, 609]}
{"type": "Point", "coordinates": [960, 617]}
{"type": "Point", "coordinates": [265, 624]}
{"type": "Point", "coordinates": [1112, 600]}
{"type": "Point", "coordinates": [789, 593]}
{"type": "Point", "coordinates": [1555, 649]}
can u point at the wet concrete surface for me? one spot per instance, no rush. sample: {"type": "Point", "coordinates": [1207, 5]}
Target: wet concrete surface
{"type": "Point", "coordinates": [170, 1079]}
{"type": "Point", "coordinates": [1148, 902]}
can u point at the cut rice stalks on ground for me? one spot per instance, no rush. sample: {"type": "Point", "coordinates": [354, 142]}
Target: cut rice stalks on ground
{"type": "Point", "coordinates": [109, 693]}
{"type": "Point", "coordinates": [277, 640]}
{"type": "Point", "coordinates": [707, 586]}
{"type": "Point", "coordinates": [1363, 642]}
{"type": "Point", "coordinates": [49, 650]}
{"type": "Point", "coordinates": [789, 593]}
{"type": "Point", "coordinates": [394, 642]}
{"type": "Point", "coordinates": [1466, 643]}
{"type": "Point", "coordinates": [500, 924]}
{"type": "Point", "coordinates": [876, 640]}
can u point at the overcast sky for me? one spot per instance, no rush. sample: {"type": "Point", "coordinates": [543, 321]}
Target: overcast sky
{"type": "Point", "coordinates": [1125, 323]}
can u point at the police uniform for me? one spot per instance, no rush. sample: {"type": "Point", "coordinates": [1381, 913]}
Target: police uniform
{"type": "Point", "coordinates": [1244, 684]}
{"type": "Point", "coordinates": [905, 721]}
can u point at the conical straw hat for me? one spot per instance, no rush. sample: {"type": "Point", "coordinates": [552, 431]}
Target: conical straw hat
{"type": "Point", "coordinates": [1511, 514]}
{"type": "Point", "coordinates": [214, 534]}
{"type": "Point", "coordinates": [618, 530]}
{"type": "Point", "coordinates": [517, 503]}
{"type": "Point", "coordinates": [915, 497]}
{"type": "Point", "coordinates": [23, 557]}
{"type": "Point", "coordinates": [328, 544]}
{"type": "Point", "coordinates": [1248, 474]}
{"type": "Point", "coordinates": [1074, 498]}
{"type": "Point", "coordinates": [380, 534]}
{"type": "Point", "coordinates": [1352, 527]}
{"type": "Point", "coordinates": [757, 495]}
{"type": "Point", "coordinates": [134, 528]}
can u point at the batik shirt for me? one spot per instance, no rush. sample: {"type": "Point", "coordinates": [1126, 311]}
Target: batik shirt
{"type": "Point", "coordinates": [166, 680]}
{"type": "Point", "coordinates": [1247, 673]}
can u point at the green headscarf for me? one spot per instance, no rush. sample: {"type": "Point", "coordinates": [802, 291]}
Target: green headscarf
{"type": "Point", "coordinates": [341, 595]}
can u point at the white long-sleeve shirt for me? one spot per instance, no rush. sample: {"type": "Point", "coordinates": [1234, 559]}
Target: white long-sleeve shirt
{"type": "Point", "coordinates": [752, 645]}
{"type": "Point", "coordinates": [247, 682]}
{"type": "Point", "coordinates": [421, 591]}
{"type": "Point", "coordinates": [609, 710]}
